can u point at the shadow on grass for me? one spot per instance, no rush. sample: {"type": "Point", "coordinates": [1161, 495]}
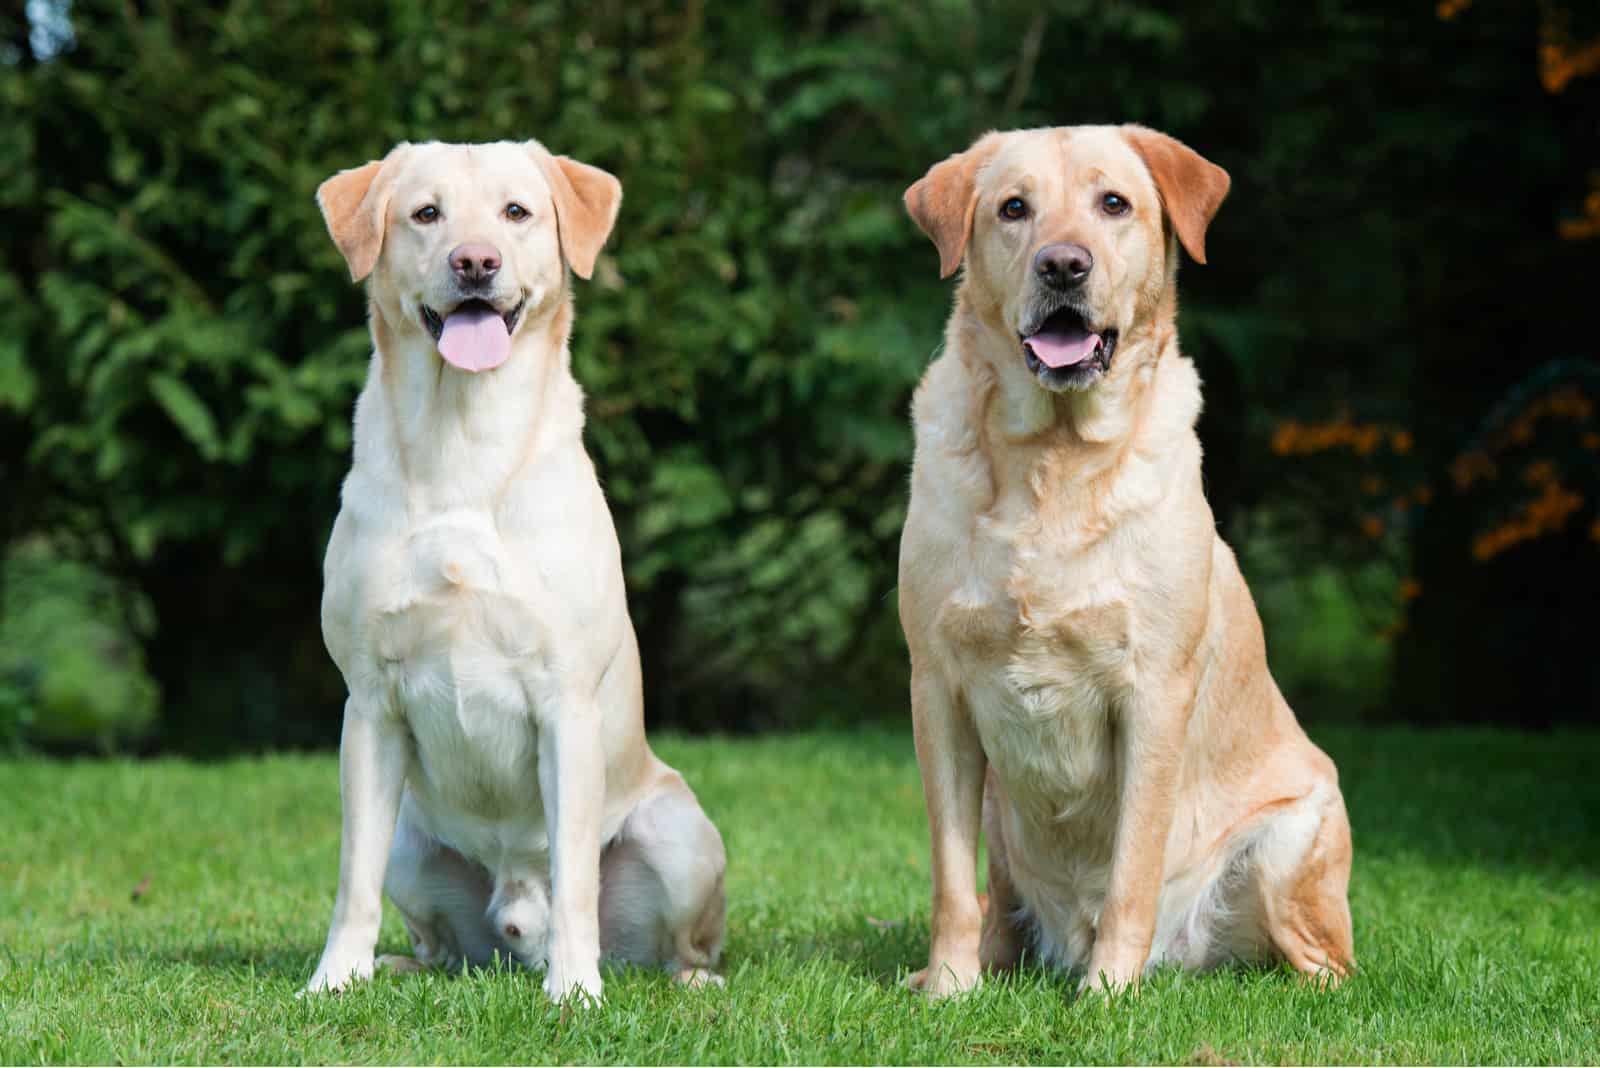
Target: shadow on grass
{"type": "Point", "coordinates": [885, 957]}
{"type": "Point", "coordinates": [278, 961]}
{"type": "Point", "coordinates": [1468, 798]}
{"type": "Point", "coordinates": [843, 952]}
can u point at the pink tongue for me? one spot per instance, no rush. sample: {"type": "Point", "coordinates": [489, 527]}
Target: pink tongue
{"type": "Point", "coordinates": [1062, 347]}
{"type": "Point", "coordinates": [475, 339]}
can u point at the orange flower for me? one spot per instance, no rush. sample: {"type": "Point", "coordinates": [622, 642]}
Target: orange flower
{"type": "Point", "coordinates": [1544, 514]}
{"type": "Point", "coordinates": [1471, 466]}
{"type": "Point", "coordinates": [1401, 441]}
{"type": "Point", "coordinates": [1285, 437]}
{"type": "Point", "coordinates": [1539, 473]}
{"type": "Point", "coordinates": [1393, 630]}
{"type": "Point", "coordinates": [1372, 526]}
{"type": "Point", "coordinates": [1410, 589]}
{"type": "Point", "coordinates": [1562, 61]}
{"type": "Point", "coordinates": [1578, 229]}
{"type": "Point", "coordinates": [1589, 224]}
{"type": "Point", "coordinates": [1570, 402]}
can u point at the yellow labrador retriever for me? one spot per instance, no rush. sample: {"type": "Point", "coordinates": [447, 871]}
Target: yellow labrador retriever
{"type": "Point", "coordinates": [1088, 676]}
{"type": "Point", "coordinates": [493, 759]}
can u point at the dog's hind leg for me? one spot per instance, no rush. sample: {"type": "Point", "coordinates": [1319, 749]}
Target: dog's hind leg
{"type": "Point", "coordinates": [1304, 872]}
{"type": "Point", "coordinates": [1001, 944]}
{"type": "Point", "coordinates": [661, 886]}
{"type": "Point", "coordinates": [441, 896]}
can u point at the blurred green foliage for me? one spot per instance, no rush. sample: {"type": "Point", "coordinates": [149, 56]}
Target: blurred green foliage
{"type": "Point", "coordinates": [71, 668]}
{"type": "Point", "coordinates": [179, 346]}
{"type": "Point", "coordinates": [1328, 626]}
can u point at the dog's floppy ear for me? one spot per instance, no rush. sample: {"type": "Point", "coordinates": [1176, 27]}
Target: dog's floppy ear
{"type": "Point", "coordinates": [1192, 187]}
{"type": "Point", "coordinates": [354, 203]}
{"type": "Point", "coordinates": [587, 199]}
{"type": "Point", "coordinates": [942, 201]}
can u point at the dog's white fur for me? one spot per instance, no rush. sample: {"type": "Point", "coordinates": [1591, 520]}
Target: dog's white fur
{"type": "Point", "coordinates": [493, 758]}
{"type": "Point", "coordinates": [1089, 680]}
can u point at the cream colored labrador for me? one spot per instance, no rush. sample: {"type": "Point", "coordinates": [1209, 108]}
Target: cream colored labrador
{"type": "Point", "coordinates": [1088, 677]}
{"type": "Point", "coordinates": [493, 758]}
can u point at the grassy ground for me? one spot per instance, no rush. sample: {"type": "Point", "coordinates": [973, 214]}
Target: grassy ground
{"type": "Point", "coordinates": [168, 912]}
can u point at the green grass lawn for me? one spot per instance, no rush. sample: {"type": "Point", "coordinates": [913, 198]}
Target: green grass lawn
{"type": "Point", "coordinates": [168, 911]}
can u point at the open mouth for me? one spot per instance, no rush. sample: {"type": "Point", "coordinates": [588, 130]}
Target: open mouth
{"type": "Point", "coordinates": [475, 335]}
{"type": "Point", "coordinates": [1065, 352]}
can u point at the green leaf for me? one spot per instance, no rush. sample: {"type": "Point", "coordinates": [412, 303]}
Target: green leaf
{"type": "Point", "coordinates": [189, 412]}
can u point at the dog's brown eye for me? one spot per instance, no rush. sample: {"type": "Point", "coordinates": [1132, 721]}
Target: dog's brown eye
{"type": "Point", "coordinates": [1015, 208]}
{"type": "Point", "coordinates": [1113, 204]}
{"type": "Point", "coordinates": [425, 214]}
{"type": "Point", "coordinates": [516, 212]}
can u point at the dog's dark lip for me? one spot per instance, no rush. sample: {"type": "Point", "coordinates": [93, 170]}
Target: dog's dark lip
{"type": "Point", "coordinates": [433, 322]}
{"type": "Point", "coordinates": [1079, 374]}
{"type": "Point", "coordinates": [513, 315]}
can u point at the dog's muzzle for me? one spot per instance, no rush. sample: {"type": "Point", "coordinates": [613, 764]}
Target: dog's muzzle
{"type": "Point", "coordinates": [474, 335]}
{"type": "Point", "coordinates": [1063, 350]}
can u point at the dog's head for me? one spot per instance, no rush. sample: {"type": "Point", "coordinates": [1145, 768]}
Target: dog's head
{"type": "Point", "coordinates": [1069, 236]}
{"type": "Point", "coordinates": [466, 243]}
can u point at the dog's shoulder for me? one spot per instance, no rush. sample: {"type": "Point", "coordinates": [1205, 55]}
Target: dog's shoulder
{"type": "Point", "coordinates": [947, 408]}
{"type": "Point", "coordinates": [1177, 404]}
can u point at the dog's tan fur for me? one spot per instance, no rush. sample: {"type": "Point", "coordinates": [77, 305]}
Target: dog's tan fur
{"type": "Point", "coordinates": [1089, 679]}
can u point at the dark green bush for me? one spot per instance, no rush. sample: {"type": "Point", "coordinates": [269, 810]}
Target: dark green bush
{"type": "Point", "coordinates": [72, 672]}
{"type": "Point", "coordinates": [179, 347]}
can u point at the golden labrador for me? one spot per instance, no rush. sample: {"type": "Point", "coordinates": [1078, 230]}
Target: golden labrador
{"type": "Point", "coordinates": [494, 772]}
{"type": "Point", "coordinates": [1088, 675]}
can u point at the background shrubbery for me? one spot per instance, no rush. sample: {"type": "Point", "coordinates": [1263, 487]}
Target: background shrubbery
{"type": "Point", "coordinates": [1396, 331]}
{"type": "Point", "coordinates": [71, 670]}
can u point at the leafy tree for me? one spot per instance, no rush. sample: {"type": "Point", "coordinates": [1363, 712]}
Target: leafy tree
{"type": "Point", "coordinates": [179, 349]}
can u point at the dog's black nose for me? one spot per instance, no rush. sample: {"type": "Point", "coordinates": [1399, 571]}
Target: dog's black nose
{"type": "Point", "coordinates": [475, 263]}
{"type": "Point", "coordinates": [1064, 265]}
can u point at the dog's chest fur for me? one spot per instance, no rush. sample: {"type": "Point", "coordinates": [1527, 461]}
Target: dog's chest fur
{"type": "Point", "coordinates": [456, 639]}
{"type": "Point", "coordinates": [442, 611]}
{"type": "Point", "coordinates": [1060, 567]}
{"type": "Point", "coordinates": [1044, 664]}
{"type": "Point", "coordinates": [1063, 561]}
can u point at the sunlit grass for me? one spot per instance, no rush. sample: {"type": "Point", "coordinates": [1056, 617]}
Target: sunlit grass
{"type": "Point", "coordinates": [1475, 896]}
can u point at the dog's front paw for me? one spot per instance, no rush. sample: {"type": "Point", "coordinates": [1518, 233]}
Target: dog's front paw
{"type": "Point", "coordinates": [942, 979]}
{"type": "Point", "coordinates": [1108, 980]}
{"type": "Point", "coordinates": [400, 964]}
{"type": "Point", "coordinates": [337, 971]}
{"type": "Point", "coordinates": [574, 983]}
{"type": "Point", "coordinates": [694, 978]}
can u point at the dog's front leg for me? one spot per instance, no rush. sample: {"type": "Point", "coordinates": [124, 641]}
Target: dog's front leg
{"type": "Point", "coordinates": [374, 749]}
{"type": "Point", "coordinates": [952, 761]}
{"type": "Point", "coordinates": [572, 783]}
{"type": "Point", "coordinates": [1152, 732]}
